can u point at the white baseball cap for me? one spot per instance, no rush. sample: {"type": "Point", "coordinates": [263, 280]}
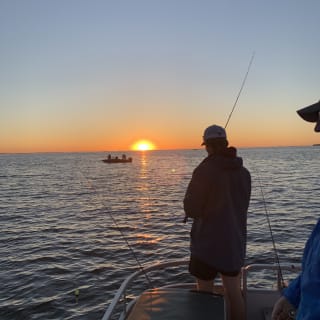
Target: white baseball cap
{"type": "Point", "coordinates": [213, 132]}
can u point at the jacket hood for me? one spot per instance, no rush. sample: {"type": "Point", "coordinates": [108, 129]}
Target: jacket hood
{"type": "Point", "coordinates": [227, 163]}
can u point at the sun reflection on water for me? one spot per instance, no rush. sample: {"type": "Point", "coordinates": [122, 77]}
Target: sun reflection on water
{"type": "Point", "coordinates": [143, 238]}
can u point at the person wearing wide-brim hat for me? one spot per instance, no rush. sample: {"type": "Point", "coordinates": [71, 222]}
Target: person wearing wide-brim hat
{"type": "Point", "coordinates": [311, 114]}
{"type": "Point", "coordinates": [301, 299]}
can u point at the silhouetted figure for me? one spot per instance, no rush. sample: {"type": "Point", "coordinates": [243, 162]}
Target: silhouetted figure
{"type": "Point", "coordinates": [217, 198]}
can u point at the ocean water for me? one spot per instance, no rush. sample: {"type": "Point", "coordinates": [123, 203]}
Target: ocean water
{"type": "Point", "coordinates": [68, 219]}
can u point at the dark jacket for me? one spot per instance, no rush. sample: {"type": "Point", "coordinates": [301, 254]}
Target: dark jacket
{"type": "Point", "coordinates": [217, 198]}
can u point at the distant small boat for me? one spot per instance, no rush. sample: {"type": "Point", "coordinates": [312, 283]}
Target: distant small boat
{"type": "Point", "coordinates": [123, 159]}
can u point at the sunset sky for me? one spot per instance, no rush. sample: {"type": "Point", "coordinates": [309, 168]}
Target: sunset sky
{"type": "Point", "coordinates": [100, 75]}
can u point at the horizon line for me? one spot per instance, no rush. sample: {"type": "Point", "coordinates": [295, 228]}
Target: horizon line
{"type": "Point", "coordinates": [153, 150]}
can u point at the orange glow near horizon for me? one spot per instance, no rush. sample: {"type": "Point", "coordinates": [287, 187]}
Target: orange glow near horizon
{"type": "Point", "coordinates": [143, 145]}
{"type": "Point", "coordinates": [255, 135]}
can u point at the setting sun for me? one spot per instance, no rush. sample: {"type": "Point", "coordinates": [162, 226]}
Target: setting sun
{"type": "Point", "coordinates": [143, 145]}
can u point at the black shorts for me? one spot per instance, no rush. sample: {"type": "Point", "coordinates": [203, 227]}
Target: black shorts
{"type": "Point", "coordinates": [203, 271]}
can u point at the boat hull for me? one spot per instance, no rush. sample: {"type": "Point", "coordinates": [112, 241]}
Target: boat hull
{"type": "Point", "coordinates": [129, 160]}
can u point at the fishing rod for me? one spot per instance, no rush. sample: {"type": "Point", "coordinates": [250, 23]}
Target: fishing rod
{"type": "Point", "coordinates": [115, 222]}
{"type": "Point", "coordinates": [262, 193]}
{"type": "Point", "coordinates": [272, 237]}
{"type": "Point", "coordinates": [242, 85]}
{"type": "Point", "coordinates": [234, 105]}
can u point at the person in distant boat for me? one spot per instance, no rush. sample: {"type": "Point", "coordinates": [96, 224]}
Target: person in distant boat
{"type": "Point", "coordinates": [109, 156]}
{"type": "Point", "coordinates": [302, 296]}
{"type": "Point", "coordinates": [217, 198]}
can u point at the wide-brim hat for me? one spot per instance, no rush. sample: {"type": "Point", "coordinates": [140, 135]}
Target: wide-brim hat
{"type": "Point", "coordinates": [311, 114]}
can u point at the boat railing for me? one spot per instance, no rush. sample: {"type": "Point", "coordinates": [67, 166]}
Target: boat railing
{"type": "Point", "coordinates": [120, 295]}
{"type": "Point", "coordinates": [272, 267]}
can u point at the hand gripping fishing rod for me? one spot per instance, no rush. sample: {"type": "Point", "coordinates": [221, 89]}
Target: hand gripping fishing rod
{"type": "Point", "coordinates": [280, 275]}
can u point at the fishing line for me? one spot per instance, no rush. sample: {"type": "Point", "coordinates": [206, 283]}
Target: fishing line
{"type": "Point", "coordinates": [271, 234]}
{"type": "Point", "coordinates": [115, 222]}
{"type": "Point", "coordinates": [242, 85]}
{"type": "Point", "coordinates": [260, 185]}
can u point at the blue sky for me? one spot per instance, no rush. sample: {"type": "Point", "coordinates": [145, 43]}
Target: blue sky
{"type": "Point", "coordinates": [98, 75]}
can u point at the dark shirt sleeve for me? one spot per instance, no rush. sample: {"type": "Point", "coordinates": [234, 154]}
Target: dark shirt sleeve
{"type": "Point", "coordinates": [197, 193]}
{"type": "Point", "coordinates": [303, 292]}
{"type": "Point", "coordinates": [292, 293]}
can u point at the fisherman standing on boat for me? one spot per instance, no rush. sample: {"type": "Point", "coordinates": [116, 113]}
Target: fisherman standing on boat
{"type": "Point", "coordinates": [303, 293]}
{"type": "Point", "coordinates": [217, 198]}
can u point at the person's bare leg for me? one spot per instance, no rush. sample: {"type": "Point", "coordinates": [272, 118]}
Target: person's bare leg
{"type": "Point", "coordinates": [234, 298]}
{"type": "Point", "coordinates": [205, 285]}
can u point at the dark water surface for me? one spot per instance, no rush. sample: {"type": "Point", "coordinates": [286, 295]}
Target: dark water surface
{"type": "Point", "coordinates": [64, 217]}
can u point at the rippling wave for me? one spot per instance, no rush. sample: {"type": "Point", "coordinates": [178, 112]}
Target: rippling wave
{"type": "Point", "coordinates": [67, 220]}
